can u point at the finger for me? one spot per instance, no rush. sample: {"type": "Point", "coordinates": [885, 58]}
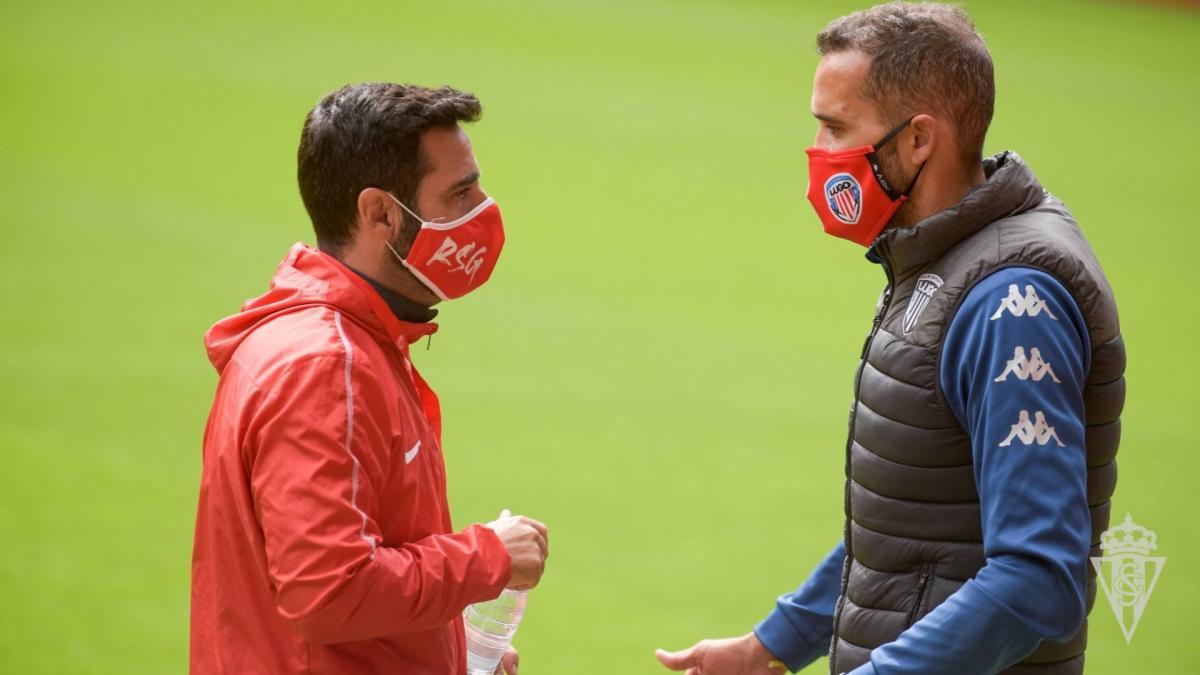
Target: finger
{"type": "Point", "coordinates": [543, 547]}
{"type": "Point", "coordinates": [526, 575]}
{"type": "Point", "coordinates": [678, 660]}
{"type": "Point", "coordinates": [536, 525]}
{"type": "Point", "coordinates": [505, 514]}
{"type": "Point", "coordinates": [510, 661]}
{"type": "Point", "coordinates": [533, 577]}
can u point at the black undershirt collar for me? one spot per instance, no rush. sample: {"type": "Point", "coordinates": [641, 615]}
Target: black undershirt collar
{"type": "Point", "coordinates": [402, 307]}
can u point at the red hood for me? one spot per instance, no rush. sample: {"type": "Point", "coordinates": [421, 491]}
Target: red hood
{"type": "Point", "coordinates": [306, 278]}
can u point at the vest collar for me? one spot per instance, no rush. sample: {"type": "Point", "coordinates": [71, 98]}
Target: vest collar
{"type": "Point", "coordinates": [1010, 189]}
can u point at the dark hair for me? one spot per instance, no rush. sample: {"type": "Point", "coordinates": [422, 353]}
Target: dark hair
{"type": "Point", "coordinates": [925, 54]}
{"type": "Point", "coordinates": [369, 135]}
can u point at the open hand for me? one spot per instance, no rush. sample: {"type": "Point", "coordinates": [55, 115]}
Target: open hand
{"type": "Point", "coordinates": [743, 655]}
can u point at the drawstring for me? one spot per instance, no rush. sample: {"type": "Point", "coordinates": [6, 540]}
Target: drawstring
{"type": "Point", "coordinates": [428, 341]}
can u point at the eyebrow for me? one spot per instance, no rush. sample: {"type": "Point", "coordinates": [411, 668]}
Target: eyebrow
{"type": "Point", "coordinates": [826, 118]}
{"type": "Point", "coordinates": [464, 181]}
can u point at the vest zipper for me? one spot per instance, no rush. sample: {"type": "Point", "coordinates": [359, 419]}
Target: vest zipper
{"type": "Point", "coordinates": [880, 312]}
{"type": "Point", "coordinates": [922, 591]}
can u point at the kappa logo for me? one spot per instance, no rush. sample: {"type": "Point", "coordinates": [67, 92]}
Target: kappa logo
{"type": "Point", "coordinates": [1021, 305]}
{"type": "Point", "coordinates": [1024, 368]}
{"type": "Point", "coordinates": [1127, 572]}
{"type": "Point", "coordinates": [466, 259]}
{"type": "Point", "coordinates": [845, 197]}
{"type": "Point", "coordinates": [1038, 431]}
{"type": "Point", "coordinates": [927, 285]}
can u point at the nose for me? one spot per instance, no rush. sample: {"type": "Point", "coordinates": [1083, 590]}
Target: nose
{"type": "Point", "coordinates": [822, 140]}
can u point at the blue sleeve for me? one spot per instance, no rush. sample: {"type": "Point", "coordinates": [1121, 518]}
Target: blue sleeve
{"type": "Point", "coordinates": [1013, 368]}
{"type": "Point", "coordinates": [800, 627]}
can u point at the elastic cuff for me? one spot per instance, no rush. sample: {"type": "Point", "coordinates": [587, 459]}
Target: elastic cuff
{"type": "Point", "coordinates": [782, 639]}
{"type": "Point", "coordinates": [495, 557]}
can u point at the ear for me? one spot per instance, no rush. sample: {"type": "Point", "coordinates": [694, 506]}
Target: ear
{"type": "Point", "coordinates": [924, 138]}
{"type": "Point", "coordinates": [377, 215]}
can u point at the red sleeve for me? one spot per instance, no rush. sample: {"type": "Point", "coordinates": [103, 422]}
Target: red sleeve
{"type": "Point", "coordinates": [317, 454]}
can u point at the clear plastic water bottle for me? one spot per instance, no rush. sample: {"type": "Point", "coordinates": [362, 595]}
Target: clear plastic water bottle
{"type": "Point", "coordinates": [490, 627]}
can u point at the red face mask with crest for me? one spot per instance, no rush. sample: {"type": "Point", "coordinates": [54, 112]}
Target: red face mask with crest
{"type": "Point", "coordinates": [852, 197]}
{"type": "Point", "coordinates": [454, 258]}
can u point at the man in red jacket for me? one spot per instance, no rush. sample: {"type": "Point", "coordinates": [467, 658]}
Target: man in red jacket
{"type": "Point", "coordinates": [323, 536]}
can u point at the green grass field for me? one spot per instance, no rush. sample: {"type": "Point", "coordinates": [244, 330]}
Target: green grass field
{"type": "Point", "coordinates": [660, 369]}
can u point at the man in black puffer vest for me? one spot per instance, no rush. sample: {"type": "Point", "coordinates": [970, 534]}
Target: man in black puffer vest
{"type": "Point", "coordinates": [980, 458]}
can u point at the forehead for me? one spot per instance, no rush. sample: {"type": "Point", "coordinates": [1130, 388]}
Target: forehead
{"type": "Point", "coordinates": [838, 85]}
{"type": "Point", "coordinates": [448, 149]}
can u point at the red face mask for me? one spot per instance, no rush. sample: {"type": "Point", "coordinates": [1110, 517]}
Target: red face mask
{"type": "Point", "coordinates": [452, 259]}
{"type": "Point", "coordinates": [852, 197]}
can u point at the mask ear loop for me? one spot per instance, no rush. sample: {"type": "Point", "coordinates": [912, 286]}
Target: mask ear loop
{"type": "Point", "coordinates": [388, 243]}
{"type": "Point", "coordinates": [913, 184]}
{"type": "Point", "coordinates": [878, 170]}
{"type": "Point", "coordinates": [404, 263]}
{"type": "Point", "coordinates": [393, 250]}
{"type": "Point", "coordinates": [887, 138]}
{"type": "Point", "coordinates": [401, 205]}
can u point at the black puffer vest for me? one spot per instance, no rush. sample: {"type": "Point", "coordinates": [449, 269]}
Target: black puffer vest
{"type": "Point", "coordinates": [913, 532]}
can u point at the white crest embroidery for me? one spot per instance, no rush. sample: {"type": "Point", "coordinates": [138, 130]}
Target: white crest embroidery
{"type": "Point", "coordinates": [1024, 368]}
{"type": "Point", "coordinates": [927, 285]}
{"type": "Point", "coordinates": [1021, 305]}
{"type": "Point", "coordinates": [1038, 431]}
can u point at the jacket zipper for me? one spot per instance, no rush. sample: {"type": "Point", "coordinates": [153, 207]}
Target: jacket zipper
{"type": "Point", "coordinates": [879, 314]}
{"type": "Point", "coordinates": [922, 589]}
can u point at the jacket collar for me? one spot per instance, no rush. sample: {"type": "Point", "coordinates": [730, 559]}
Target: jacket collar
{"type": "Point", "coordinates": [308, 278]}
{"type": "Point", "coordinates": [1010, 188]}
{"type": "Point", "coordinates": [401, 332]}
